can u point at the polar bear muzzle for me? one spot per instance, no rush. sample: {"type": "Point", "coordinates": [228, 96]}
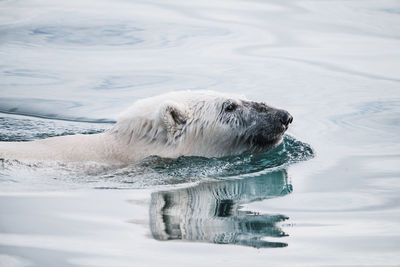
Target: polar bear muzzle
{"type": "Point", "coordinates": [265, 125]}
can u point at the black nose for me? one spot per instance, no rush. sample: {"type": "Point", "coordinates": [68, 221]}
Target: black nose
{"type": "Point", "coordinates": [285, 117]}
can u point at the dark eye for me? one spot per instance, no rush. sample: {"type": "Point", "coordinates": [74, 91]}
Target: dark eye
{"type": "Point", "coordinates": [229, 107]}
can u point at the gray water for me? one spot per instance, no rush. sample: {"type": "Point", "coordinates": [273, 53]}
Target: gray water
{"type": "Point", "coordinates": [328, 195]}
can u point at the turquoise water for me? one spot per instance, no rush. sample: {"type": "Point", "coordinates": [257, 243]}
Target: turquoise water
{"type": "Point", "coordinates": [327, 196]}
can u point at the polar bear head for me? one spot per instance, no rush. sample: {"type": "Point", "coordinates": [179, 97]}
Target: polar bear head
{"type": "Point", "coordinates": [199, 123]}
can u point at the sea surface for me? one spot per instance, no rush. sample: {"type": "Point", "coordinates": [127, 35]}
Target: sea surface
{"type": "Point", "coordinates": [328, 195]}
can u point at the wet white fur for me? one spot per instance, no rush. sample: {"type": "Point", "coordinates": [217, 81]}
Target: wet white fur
{"type": "Point", "coordinates": [147, 128]}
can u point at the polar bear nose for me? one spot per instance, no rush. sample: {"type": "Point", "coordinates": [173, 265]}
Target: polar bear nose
{"type": "Point", "coordinates": [284, 117]}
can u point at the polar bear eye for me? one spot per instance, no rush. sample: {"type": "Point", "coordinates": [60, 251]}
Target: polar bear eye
{"type": "Point", "coordinates": [229, 107]}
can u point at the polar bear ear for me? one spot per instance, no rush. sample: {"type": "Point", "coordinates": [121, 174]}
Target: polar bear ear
{"type": "Point", "coordinates": [174, 118]}
{"type": "Point", "coordinates": [174, 115]}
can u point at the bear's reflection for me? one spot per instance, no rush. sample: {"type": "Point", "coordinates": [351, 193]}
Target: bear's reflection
{"type": "Point", "coordinates": [210, 212]}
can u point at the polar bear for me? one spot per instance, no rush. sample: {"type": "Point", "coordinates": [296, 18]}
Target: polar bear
{"type": "Point", "coordinates": [182, 123]}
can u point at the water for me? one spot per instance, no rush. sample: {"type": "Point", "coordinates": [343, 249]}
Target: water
{"type": "Point", "coordinates": [329, 195]}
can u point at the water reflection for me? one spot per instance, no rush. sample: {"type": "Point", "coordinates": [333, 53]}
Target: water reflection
{"type": "Point", "coordinates": [210, 212]}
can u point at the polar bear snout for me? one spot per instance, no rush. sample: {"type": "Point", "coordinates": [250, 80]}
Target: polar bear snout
{"type": "Point", "coordinates": [284, 117]}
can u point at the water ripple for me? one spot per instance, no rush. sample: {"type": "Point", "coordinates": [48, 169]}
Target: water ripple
{"type": "Point", "coordinates": [96, 35]}
{"type": "Point", "coordinates": [373, 116]}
